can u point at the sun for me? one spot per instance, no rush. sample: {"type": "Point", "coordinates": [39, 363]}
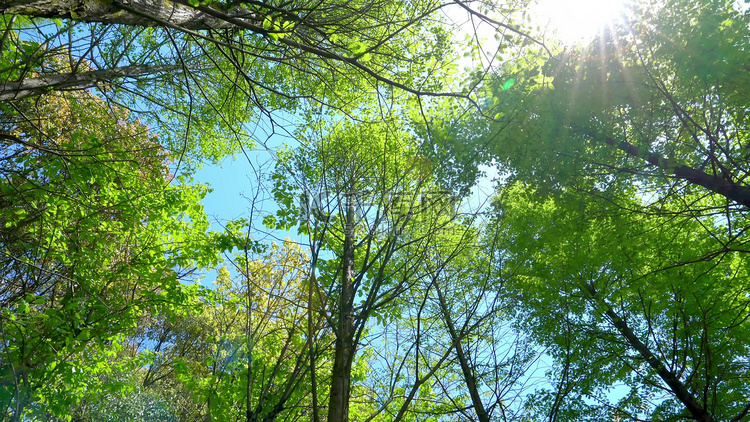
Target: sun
{"type": "Point", "coordinates": [576, 21]}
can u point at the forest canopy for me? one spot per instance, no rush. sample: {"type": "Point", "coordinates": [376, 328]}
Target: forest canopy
{"type": "Point", "coordinates": [604, 276]}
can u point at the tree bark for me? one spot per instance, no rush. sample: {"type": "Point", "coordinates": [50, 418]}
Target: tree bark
{"type": "Point", "coordinates": [30, 87]}
{"type": "Point", "coordinates": [150, 12]}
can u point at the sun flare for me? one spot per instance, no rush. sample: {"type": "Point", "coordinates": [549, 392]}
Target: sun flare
{"type": "Point", "coordinates": [576, 21]}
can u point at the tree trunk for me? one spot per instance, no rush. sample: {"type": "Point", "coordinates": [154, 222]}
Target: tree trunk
{"type": "Point", "coordinates": [311, 343]}
{"type": "Point", "coordinates": [131, 12]}
{"type": "Point", "coordinates": [471, 383]}
{"type": "Point", "coordinates": [250, 416]}
{"type": "Point", "coordinates": [338, 407]}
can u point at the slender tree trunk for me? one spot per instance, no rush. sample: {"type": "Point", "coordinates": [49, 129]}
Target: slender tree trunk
{"type": "Point", "coordinates": [311, 344]}
{"type": "Point", "coordinates": [249, 414]}
{"type": "Point", "coordinates": [338, 408]}
{"type": "Point", "coordinates": [471, 383]}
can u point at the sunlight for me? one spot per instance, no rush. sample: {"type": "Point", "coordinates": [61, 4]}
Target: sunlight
{"type": "Point", "coordinates": [576, 21]}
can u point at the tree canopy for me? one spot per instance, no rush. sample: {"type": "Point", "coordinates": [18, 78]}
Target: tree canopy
{"type": "Point", "coordinates": [604, 277]}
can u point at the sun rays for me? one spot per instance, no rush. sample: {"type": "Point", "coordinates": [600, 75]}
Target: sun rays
{"type": "Point", "coordinates": [576, 21]}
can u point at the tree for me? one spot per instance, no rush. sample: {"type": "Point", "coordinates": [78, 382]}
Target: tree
{"type": "Point", "coordinates": [625, 212]}
{"type": "Point", "coordinates": [93, 234]}
{"type": "Point", "coordinates": [641, 108]}
{"type": "Point", "coordinates": [491, 356]}
{"type": "Point", "coordinates": [231, 63]}
{"type": "Point", "coordinates": [209, 361]}
{"type": "Point", "coordinates": [279, 355]}
{"type": "Point", "coordinates": [371, 215]}
{"type": "Point", "coordinates": [451, 353]}
{"type": "Point", "coordinates": [339, 31]}
{"type": "Point", "coordinates": [167, 85]}
{"type": "Point", "coordinates": [664, 317]}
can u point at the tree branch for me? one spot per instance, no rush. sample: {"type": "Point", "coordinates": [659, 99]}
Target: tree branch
{"type": "Point", "coordinates": [30, 87]}
{"type": "Point", "coordinates": [679, 389]}
{"type": "Point", "coordinates": [732, 191]}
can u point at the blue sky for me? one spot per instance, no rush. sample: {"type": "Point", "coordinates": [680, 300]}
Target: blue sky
{"type": "Point", "coordinates": [231, 181]}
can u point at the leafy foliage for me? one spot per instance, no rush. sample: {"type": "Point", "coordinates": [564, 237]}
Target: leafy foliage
{"type": "Point", "coordinates": [623, 222]}
{"type": "Point", "coordinates": [609, 280]}
{"type": "Point", "coordinates": [93, 235]}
